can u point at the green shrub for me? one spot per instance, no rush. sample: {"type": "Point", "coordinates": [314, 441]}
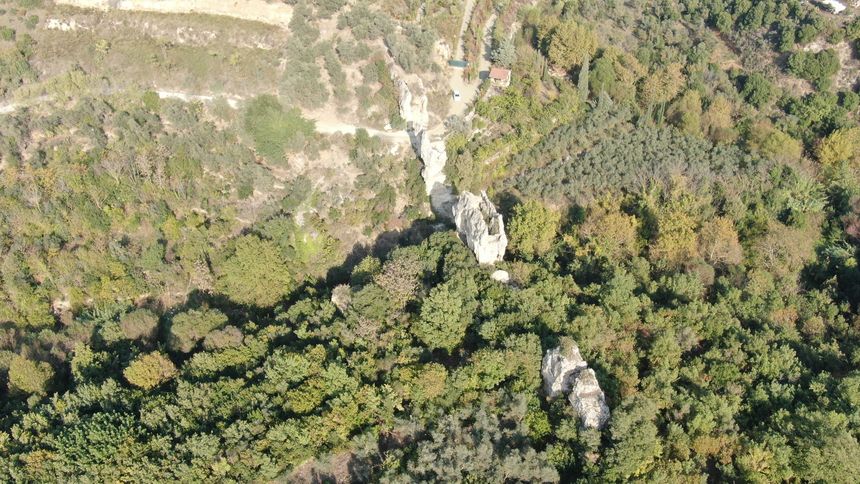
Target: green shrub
{"type": "Point", "coordinates": [816, 67]}
{"type": "Point", "coordinates": [274, 130]}
{"type": "Point", "coordinates": [190, 327]}
{"type": "Point", "coordinates": [139, 324]}
{"type": "Point", "coordinates": [757, 90]}
{"type": "Point", "coordinates": [254, 273]}
{"type": "Point", "coordinates": [7, 33]}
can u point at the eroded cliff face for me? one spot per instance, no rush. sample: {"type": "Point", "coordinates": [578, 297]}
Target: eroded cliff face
{"type": "Point", "coordinates": [478, 223]}
{"type": "Point", "coordinates": [434, 157]}
{"type": "Point", "coordinates": [481, 227]}
{"type": "Point", "coordinates": [413, 109]}
{"type": "Point", "coordinates": [564, 370]}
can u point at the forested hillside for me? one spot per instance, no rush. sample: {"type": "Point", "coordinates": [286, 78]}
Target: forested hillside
{"type": "Point", "coordinates": [218, 262]}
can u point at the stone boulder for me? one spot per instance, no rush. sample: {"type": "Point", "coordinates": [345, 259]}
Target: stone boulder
{"type": "Point", "coordinates": [559, 367]}
{"type": "Point", "coordinates": [481, 227]}
{"type": "Point", "coordinates": [588, 400]}
{"type": "Point", "coordinates": [501, 276]}
{"type": "Point", "coordinates": [563, 370]}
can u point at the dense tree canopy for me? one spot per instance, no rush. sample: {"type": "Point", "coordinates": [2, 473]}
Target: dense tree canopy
{"type": "Point", "coordinates": [215, 291]}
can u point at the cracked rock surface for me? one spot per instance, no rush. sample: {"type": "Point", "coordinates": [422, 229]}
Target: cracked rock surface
{"type": "Point", "coordinates": [481, 227]}
{"type": "Point", "coordinates": [563, 370]}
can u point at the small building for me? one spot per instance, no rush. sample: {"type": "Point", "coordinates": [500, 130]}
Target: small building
{"type": "Point", "coordinates": [500, 77]}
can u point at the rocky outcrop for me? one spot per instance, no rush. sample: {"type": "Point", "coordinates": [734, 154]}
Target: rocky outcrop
{"type": "Point", "coordinates": [481, 227]}
{"type": "Point", "coordinates": [588, 400]}
{"type": "Point", "coordinates": [413, 109]}
{"type": "Point", "coordinates": [434, 157]}
{"type": "Point", "coordinates": [405, 96]}
{"type": "Point", "coordinates": [563, 370]}
{"type": "Point", "coordinates": [558, 368]}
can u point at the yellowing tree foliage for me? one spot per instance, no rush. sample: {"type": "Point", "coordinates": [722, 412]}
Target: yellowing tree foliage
{"type": "Point", "coordinates": [662, 85]}
{"type": "Point", "coordinates": [611, 233]}
{"type": "Point", "coordinates": [718, 242]}
{"type": "Point", "coordinates": [841, 145]}
{"type": "Point", "coordinates": [29, 376]}
{"type": "Point", "coordinates": [571, 44]}
{"type": "Point", "coordinates": [149, 370]}
{"type": "Point", "coordinates": [533, 229]}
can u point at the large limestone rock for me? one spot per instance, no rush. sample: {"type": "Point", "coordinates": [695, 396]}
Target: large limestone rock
{"type": "Point", "coordinates": [434, 157]}
{"type": "Point", "coordinates": [563, 370]}
{"type": "Point", "coordinates": [559, 367]}
{"type": "Point", "coordinates": [588, 400]}
{"type": "Point", "coordinates": [413, 109]}
{"type": "Point", "coordinates": [405, 100]}
{"type": "Point", "coordinates": [413, 106]}
{"type": "Point", "coordinates": [481, 227]}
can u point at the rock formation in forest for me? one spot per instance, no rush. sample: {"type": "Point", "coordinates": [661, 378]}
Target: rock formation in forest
{"type": "Point", "coordinates": [563, 370]}
{"type": "Point", "coordinates": [413, 109]}
{"type": "Point", "coordinates": [481, 227]}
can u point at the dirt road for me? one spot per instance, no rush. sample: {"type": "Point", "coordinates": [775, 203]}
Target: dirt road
{"type": "Point", "coordinates": [324, 125]}
{"type": "Point", "coordinates": [232, 101]}
{"type": "Point", "coordinates": [275, 13]}
{"type": "Point", "coordinates": [332, 127]}
{"type": "Point", "coordinates": [469, 90]}
{"type": "Point", "coordinates": [467, 16]}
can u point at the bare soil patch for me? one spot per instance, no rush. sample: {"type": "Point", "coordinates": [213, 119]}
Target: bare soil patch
{"type": "Point", "coordinates": [275, 13]}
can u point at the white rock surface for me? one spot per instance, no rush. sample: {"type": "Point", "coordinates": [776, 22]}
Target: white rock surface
{"type": "Point", "coordinates": [563, 370]}
{"type": "Point", "coordinates": [434, 156]}
{"type": "Point", "coordinates": [558, 369]}
{"type": "Point", "coordinates": [501, 276]}
{"type": "Point", "coordinates": [413, 109]}
{"type": "Point", "coordinates": [62, 25]}
{"type": "Point", "coordinates": [834, 5]}
{"type": "Point", "coordinates": [588, 400]}
{"type": "Point", "coordinates": [481, 227]}
{"type": "Point", "coordinates": [413, 106]}
{"type": "Point", "coordinates": [405, 100]}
